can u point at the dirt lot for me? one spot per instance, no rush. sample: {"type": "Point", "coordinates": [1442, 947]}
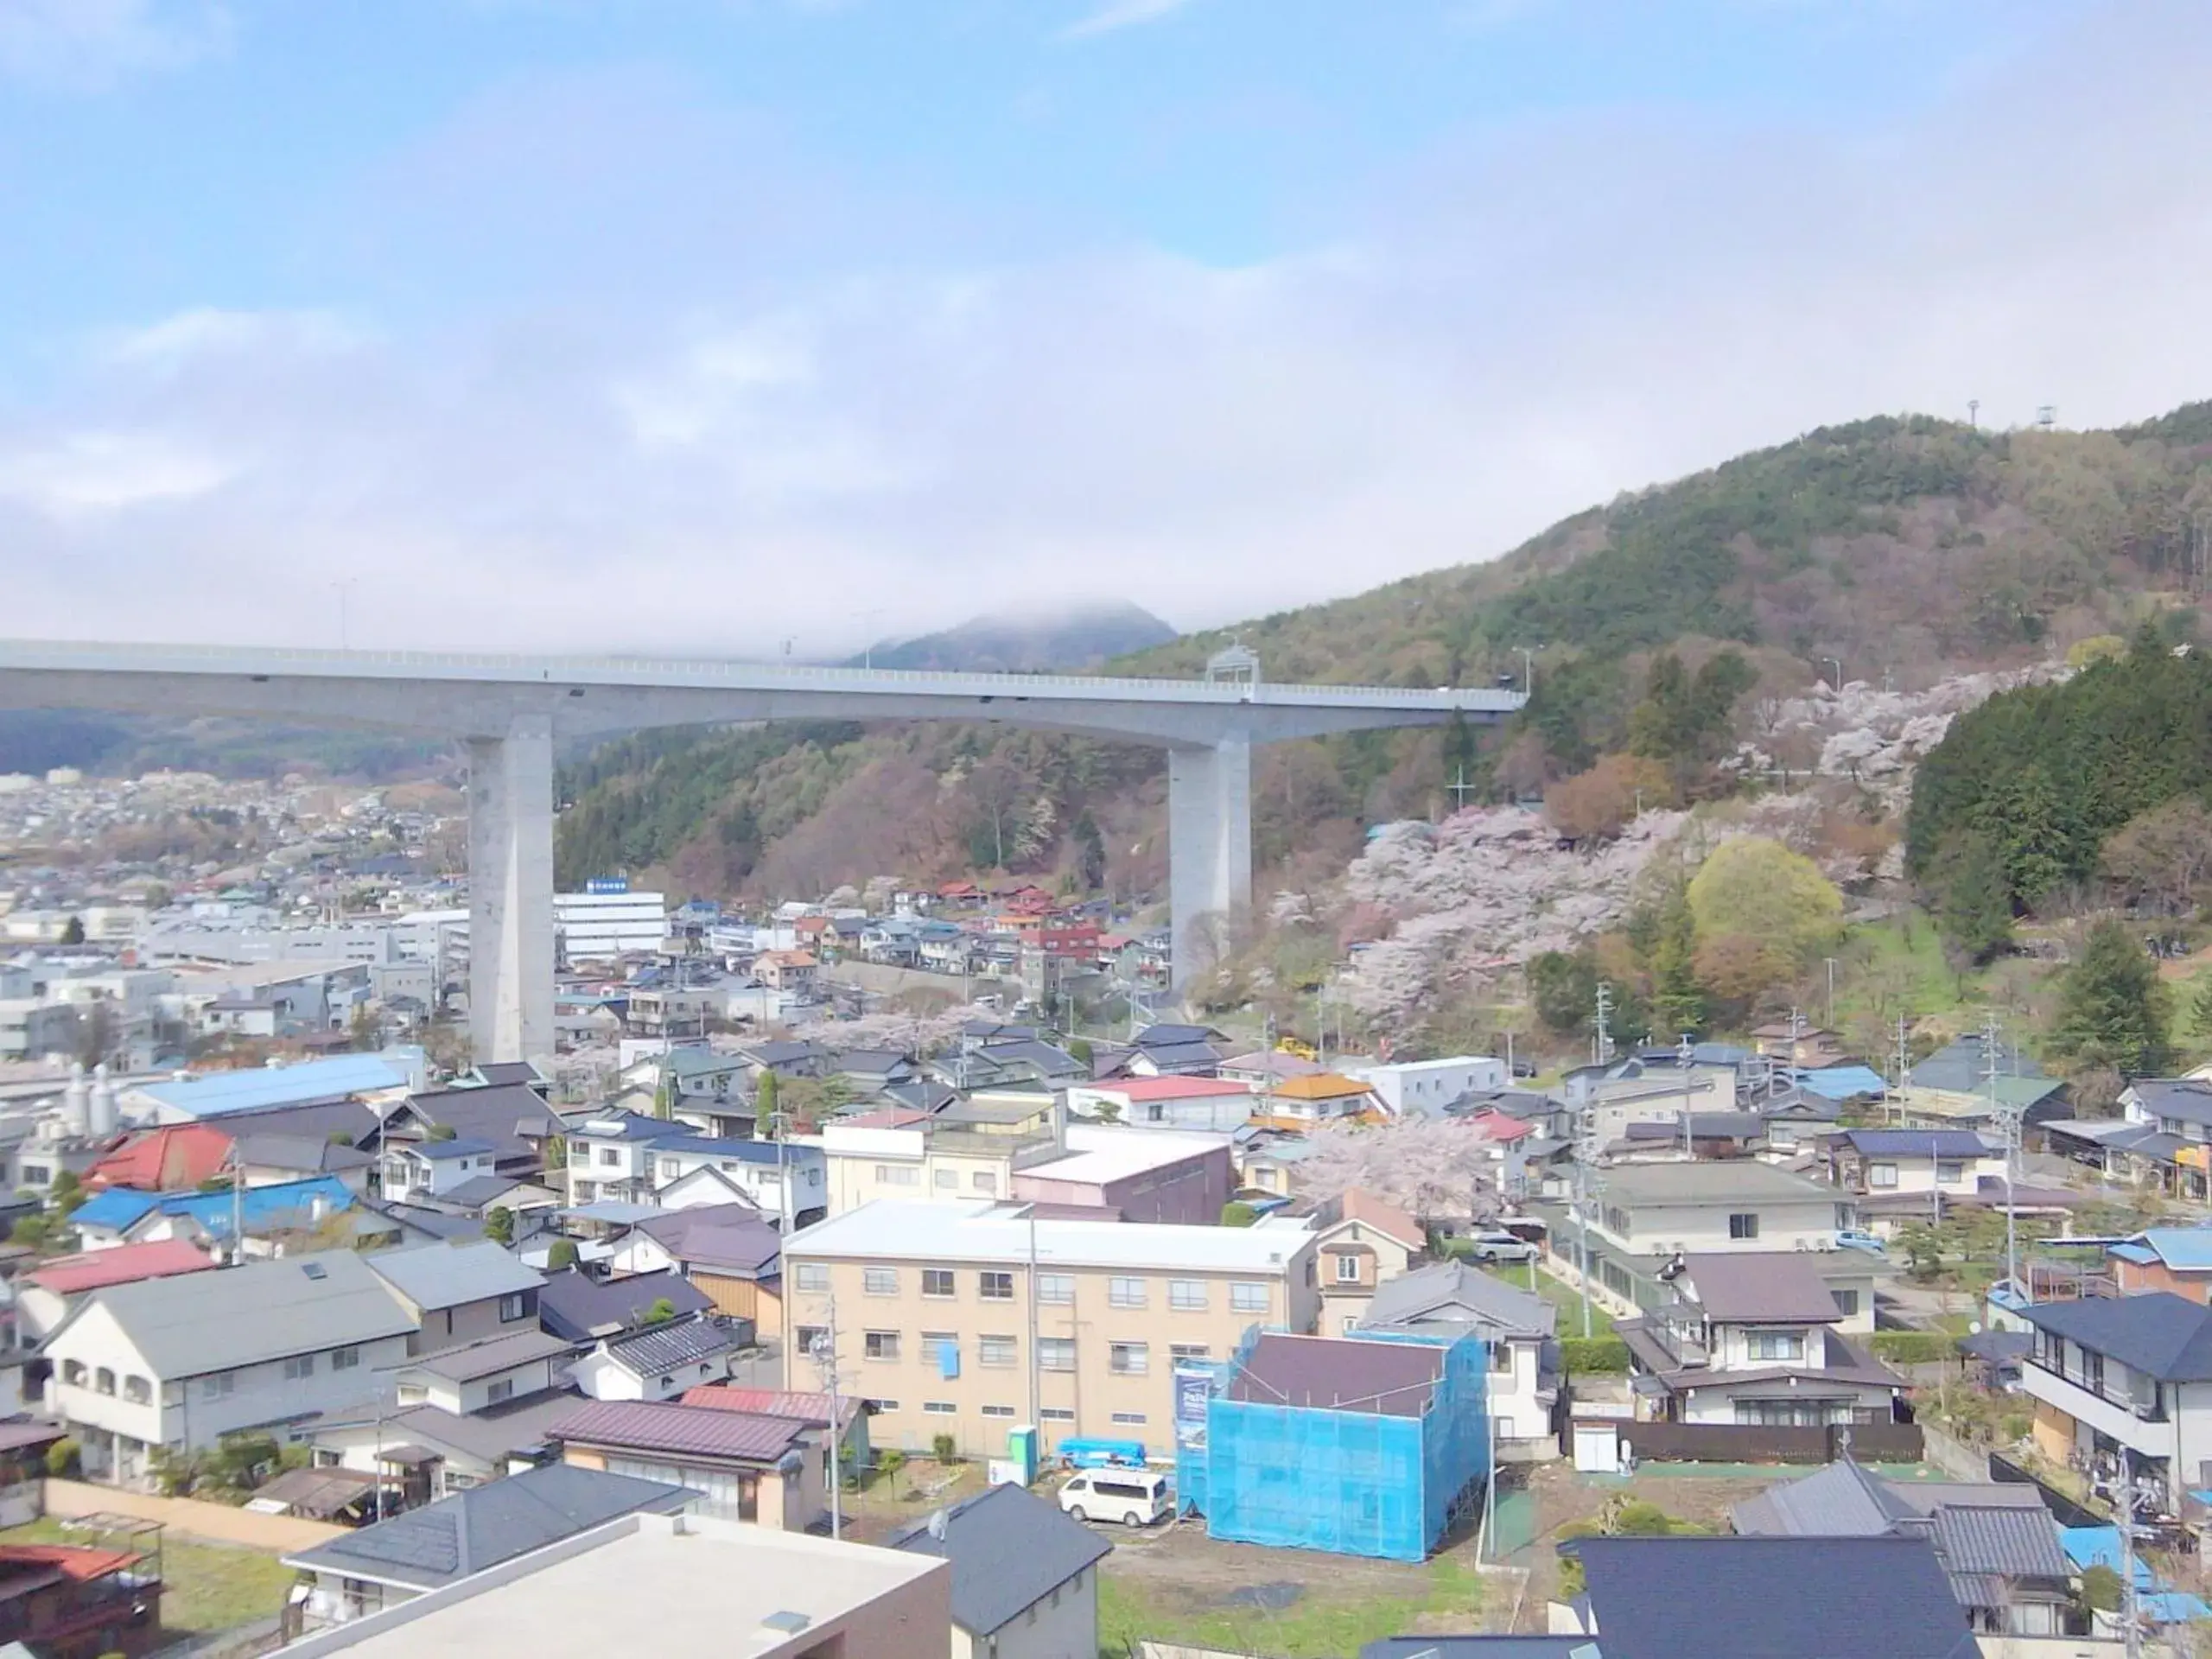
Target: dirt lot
{"type": "Point", "coordinates": [1552, 1496]}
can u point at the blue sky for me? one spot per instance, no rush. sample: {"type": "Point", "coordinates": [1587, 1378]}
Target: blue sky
{"type": "Point", "coordinates": [806, 309]}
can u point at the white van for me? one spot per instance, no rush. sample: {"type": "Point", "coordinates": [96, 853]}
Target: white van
{"type": "Point", "coordinates": [1135, 1498]}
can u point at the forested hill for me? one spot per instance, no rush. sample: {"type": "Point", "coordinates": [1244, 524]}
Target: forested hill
{"type": "Point", "coordinates": [1070, 641]}
{"type": "Point", "coordinates": [1899, 547]}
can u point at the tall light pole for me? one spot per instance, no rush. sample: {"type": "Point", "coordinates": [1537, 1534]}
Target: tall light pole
{"type": "Point", "coordinates": [825, 1354]}
{"type": "Point", "coordinates": [1527, 672]}
{"type": "Point", "coordinates": [1836, 663]}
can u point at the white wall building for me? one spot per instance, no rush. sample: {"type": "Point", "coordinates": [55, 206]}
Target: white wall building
{"type": "Point", "coordinates": [595, 926]}
{"type": "Point", "coordinates": [1416, 1085]}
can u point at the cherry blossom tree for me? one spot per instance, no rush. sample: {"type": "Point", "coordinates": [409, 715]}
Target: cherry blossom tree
{"type": "Point", "coordinates": [1430, 1167]}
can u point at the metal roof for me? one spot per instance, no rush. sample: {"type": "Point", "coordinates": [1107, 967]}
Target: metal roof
{"type": "Point", "coordinates": [2168, 1335]}
{"type": "Point", "coordinates": [1379, 1379]}
{"type": "Point", "coordinates": [261, 1087]}
{"type": "Point", "coordinates": [2185, 1247]}
{"type": "Point", "coordinates": [1841, 1501]}
{"type": "Point", "coordinates": [1009, 1549]}
{"type": "Point", "coordinates": [249, 1314]}
{"type": "Point", "coordinates": [1453, 1293]}
{"type": "Point", "coordinates": [449, 1274]}
{"type": "Point", "coordinates": [1761, 1287]}
{"type": "Point", "coordinates": [1918, 1143]}
{"type": "Point", "coordinates": [573, 1306]}
{"type": "Point", "coordinates": [921, 1230]}
{"type": "Point", "coordinates": [680, 1431]}
{"type": "Point", "coordinates": [481, 1528]}
{"type": "Point", "coordinates": [467, 1361]}
{"type": "Point", "coordinates": [1710, 1182]}
{"type": "Point", "coordinates": [1723, 1597]}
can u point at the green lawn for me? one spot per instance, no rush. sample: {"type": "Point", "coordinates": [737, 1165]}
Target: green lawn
{"type": "Point", "coordinates": [1324, 1622]}
{"type": "Point", "coordinates": [206, 1587]}
{"type": "Point", "coordinates": [1560, 1295]}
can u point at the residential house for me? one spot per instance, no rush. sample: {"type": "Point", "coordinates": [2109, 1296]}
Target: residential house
{"type": "Point", "coordinates": [1358, 1446]}
{"type": "Point", "coordinates": [415, 1171]}
{"type": "Point", "coordinates": [1405, 1086]}
{"type": "Point", "coordinates": [513, 1116]}
{"type": "Point", "coordinates": [175, 1158]}
{"type": "Point", "coordinates": [275, 1158]}
{"type": "Point", "coordinates": [811, 1408]}
{"type": "Point", "coordinates": [181, 1362]}
{"type": "Point", "coordinates": [46, 1295]}
{"type": "Point", "coordinates": [579, 1309]}
{"type": "Point", "coordinates": [1025, 1576]}
{"type": "Point", "coordinates": [727, 1252]}
{"type": "Point", "coordinates": [360, 1574]}
{"type": "Point", "coordinates": [707, 1588]}
{"type": "Point", "coordinates": [1649, 1214]}
{"type": "Point", "coordinates": [456, 1417]}
{"type": "Point", "coordinates": [757, 1169]}
{"type": "Point", "coordinates": [871, 1071]}
{"type": "Point", "coordinates": [1359, 1241]}
{"type": "Point", "coordinates": [1164, 1049]}
{"type": "Point", "coordinates": [2177, 1259]}
{"type": "Point", "coordinates": [1303, 1105]}
{"type": "Point", "coordinates": [459, 1292]}
{"type": "Point", "coordinates": [787, 970]}
{"type": "Point", "coordinates": [1752, 1338]}
{"type": "Point", "coordinates": [1996, 1541]}
{"type": "Point", "coordinates": [896, 1154]}
{"type": "Point", "coordinates": [2132, 1375]}
{"type": "Point", "coordinates": [610, 1158]}
{"type": "Point", "coordinates": [1703, 1135]}
{"type": "Point", "coordinates": [1880, 1597]}
{"type": "Point", "coordinates": [762, 1469]}
{"type": "Point", "coordinates": [1955, 1086]}
{"type": "Point", "coordinates": [1214, 1104]}
{"type": "Point", "coordinates": [1149, 1178]}
{"type": "Point", "coordinates": [1790, 1043]}
{"type": "Point", "coordinates": [1264, 1067]}
{"type": "Point", "coordinates": [292, 1215]}
{"type": "Point", "coordinates": [76, 1601]}
{"type": "Point", "coordinates": [658, 1362]}
{"type": "Point", "coordinates": [1649, 1087]}
{"type": "Point", "coordinates": [935, 1310]}
{"type": "Point", "coordinates": [1899, 1174]}
{"type": "Point", "coordinates": [1452, 1299]}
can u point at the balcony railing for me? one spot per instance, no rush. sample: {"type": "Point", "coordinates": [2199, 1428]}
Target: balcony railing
{"type": "Point", "coordinates": [2153, 1410]}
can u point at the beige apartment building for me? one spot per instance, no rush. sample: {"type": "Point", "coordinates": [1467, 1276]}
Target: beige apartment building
{"type": "Point", "coordinates": [932, 1304]}
{"type": "Point", "coordinates": [966, 1152]}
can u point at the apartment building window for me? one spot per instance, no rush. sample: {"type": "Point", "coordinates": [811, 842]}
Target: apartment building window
{"type": "Point", "coordinates": [996, 1287]}
{"type": "Point", "coordinates": [880, 1406]}
{"type": "Point", "coordinates": [942, 1350]}
{"type": "Point", "coordinates": [137, 1390]}
{"type": "Point", "coordinates": [1347, 1269]}
{"type": "Point", "coordinates": [879, 1282]}
{"type": "Point", "coordinates": [502, 1389]}
{"type": "Point", "coordinates": [1775, 1345]}
{"type": "Point", "coordinates": [810, 1276]}
{"type": "Point", "coordinates": [1189, 1294]}
{"type": "Point", "coordinates": [298, 1367]}
{"type": "Point", "coordinates": [945, 1180]}
{"type": "Point", "coordinates": [1500, 1356]}
{"type": "Point", "coordinates": [1189, 1350]}
{"type": "Point", "coordinates": [610, 1158]}
{"type": "Point", "coordinates": [940, 1407]}
{"type": "Point", "coordinates": [72, 1372]}
{"type": "Point", "coordinates": [1128, 1420]}
{"type": "Point", "coordinates": [1056, 1414]}
{"type": "Point", "coordinates": [103, 1380]}
{"type": "Point", "coordinates": [998, 1411]}
{"type": "Point", "coordinates": [345, 1359]}
{"type": "Point", "coordinates": [1248, 1298]}
{"type": "Point", "coordinates": [1881, 1174]}
{"type": "Point", "coordinates": [1128, 1359]}
{"type": "Point", "coordinates": [1055, 1353]}
{"type": "Point", "coordinates": [1056, 1287]}
{"type": "Point", "coordinates": [215, 1386]}
{"type": "Point", "coordinates": [1125, 1293]}
{"type": "Point", "coordinates": [1744, 1224]}
{"type": "Point", "coordinates": [898, 1175]}
{"type": "Point", "coordinates": [984, 1181]}
{"type": "Point", "coordinates": [881, 1345]}
{"type": "Point", "coordinates": [995, 1350]}
{"type": "Point", "coordinates": [804, 1337]}
{"type": "Point", "coordinates": [936, 1281]}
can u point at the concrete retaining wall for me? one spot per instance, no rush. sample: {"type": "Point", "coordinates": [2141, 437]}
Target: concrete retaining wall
{"type": "Point", "coordinates": [215, 1523]}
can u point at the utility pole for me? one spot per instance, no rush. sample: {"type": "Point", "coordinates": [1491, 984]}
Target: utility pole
{"type": "Point", "coordinates": [2008, 1121]}
{"type": "Point", "coordinates": [1461, 789]}
{"type": "Point", "coordinates": [1831, 1018]}
{"type": "Point", "coordinates": [1036, 1424]}
{"type": "Point", "coordinates": [1586, 1169]}
{"type": "Point", "coordinates": [1685, 1055]}
{"type": "Point", "coordinates": [1904, 1053]}
{"type": "Point", "coordinates": [2130, 1614]}
{"type": "Point", "coordinates": [1604, 1040]}
{"type": "Point", "coordinates": [825, 1356]}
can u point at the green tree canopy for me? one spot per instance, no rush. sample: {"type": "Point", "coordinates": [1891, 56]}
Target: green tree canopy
{"type": "Point", "coordinates": [561, 1255]}
{"type": "Point", "coordinates": [2112, 1007]}
{"type": "Point", "coordinates": [1759, 889]}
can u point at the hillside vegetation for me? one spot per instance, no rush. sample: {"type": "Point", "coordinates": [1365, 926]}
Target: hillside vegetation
{"type": "Point", "coordinates": [1902, 548]}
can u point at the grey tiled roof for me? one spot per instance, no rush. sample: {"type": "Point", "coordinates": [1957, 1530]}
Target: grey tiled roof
{"type": "Point", "coordinates": [1009, 1549]}
{"type": "Point", "coordinates": [580, 1308]}
{"type": "Point", "coordinates": [467, 1361]}
{"type": "Point", "coordinates": [451, 1274]}
{"type": "Point", "coordinates": [1454, 1295]}
{"type": "Point", "coordinates": [662, 1347]}
{"type": "Point", "coordinates": [2009, 1541]}
{"type": "Point", "coordinates": [486, 1525]}
{"type": "Point", "coordinates": [201, 1322]}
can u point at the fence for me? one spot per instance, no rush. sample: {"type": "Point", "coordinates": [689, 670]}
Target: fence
{"type": "Point", "coordinates": [215, 1523]}
{"type": "Point", "coordinates": [1761, 1443]}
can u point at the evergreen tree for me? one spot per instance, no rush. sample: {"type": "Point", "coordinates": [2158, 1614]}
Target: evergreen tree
{"type": "Point", "coordinates": [764, 1104]}
{"type": "Point", "coordinates": [1091, 851]}
{"type": "Point", "coordinates": [1677, 1002]}
{"type": "Point", "coordinates": [500, 1226]}
{"type": "Point", "coordinates": [1975, 912]}
{"type": "Point", "coordinates": [2112, 1006]}
{"type": "Point", "coordinates": [2199, 1007]}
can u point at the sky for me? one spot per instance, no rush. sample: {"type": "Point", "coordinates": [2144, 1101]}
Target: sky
{"type": "Point", "coordinates": [747, 327]}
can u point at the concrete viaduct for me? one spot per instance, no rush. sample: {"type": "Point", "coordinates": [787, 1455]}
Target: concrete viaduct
{"type": "Point", "coordinates": [510, 711]}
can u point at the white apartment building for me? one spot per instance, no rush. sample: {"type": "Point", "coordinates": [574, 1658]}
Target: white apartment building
{"type": "Point", "coordinates": [597, 926]}
{"type": "Point", "coordinates": [1417, 1085]}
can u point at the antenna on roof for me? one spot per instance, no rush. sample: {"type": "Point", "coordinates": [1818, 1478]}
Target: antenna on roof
{"type": "Point", "coordinates": [937, 1528]}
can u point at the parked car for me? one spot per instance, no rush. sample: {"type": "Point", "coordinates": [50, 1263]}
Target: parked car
{"type": "Point", "coordinates": [1135, 1498]}
{"type": "Point", "coordinates": [1498, 1247]}
{"type": "Point", "coordinates": [1852, 1238]}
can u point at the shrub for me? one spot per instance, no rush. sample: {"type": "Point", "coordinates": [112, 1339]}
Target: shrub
{"type": "Point", "coordinates": [2100, 1588]}
{"type": "Point", "coordinates": [1588, 1355]}
{"type": "Point", "coordinates": [1237, 1213]}
{"type": "Point", "coordinates": [64, 1460]}
{"type": "Point", "coordinates": [560, 1255]}
{"type": "Point", "coordinates": [945, 1448]}
{"type": "Point", "coordinates": [1913, 1347]}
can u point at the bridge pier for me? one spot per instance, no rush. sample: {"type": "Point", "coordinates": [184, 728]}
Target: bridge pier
{"type": "Point", "coordinates": [511, 892]}
{"type": "Point", "coordinates": [1209, 850]}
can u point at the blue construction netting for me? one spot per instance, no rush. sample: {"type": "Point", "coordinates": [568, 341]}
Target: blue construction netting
{"type": "Point", "coordinates": [1352, 1482]}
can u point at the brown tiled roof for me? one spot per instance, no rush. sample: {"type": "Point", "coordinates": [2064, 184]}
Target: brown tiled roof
{"type": "Point", "coordinates": [647, 1427]}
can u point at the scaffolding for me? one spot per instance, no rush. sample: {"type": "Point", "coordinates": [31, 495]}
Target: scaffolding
{"type": "Point", "coordinates": [1349, 1480]}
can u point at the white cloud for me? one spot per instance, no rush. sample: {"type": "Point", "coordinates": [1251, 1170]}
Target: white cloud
{"type": "Point", "coordinates": [1120, 15]}
{"type": "Point", "coordinates": [87, 45]}
{"type": "Point", "coordinates": [1520, 328]}
{"type": "Point", "coordinates": [208, 331]}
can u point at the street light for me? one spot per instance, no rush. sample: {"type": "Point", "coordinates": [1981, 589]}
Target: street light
{"type": "Point", "coordinates": [1836, 663]}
